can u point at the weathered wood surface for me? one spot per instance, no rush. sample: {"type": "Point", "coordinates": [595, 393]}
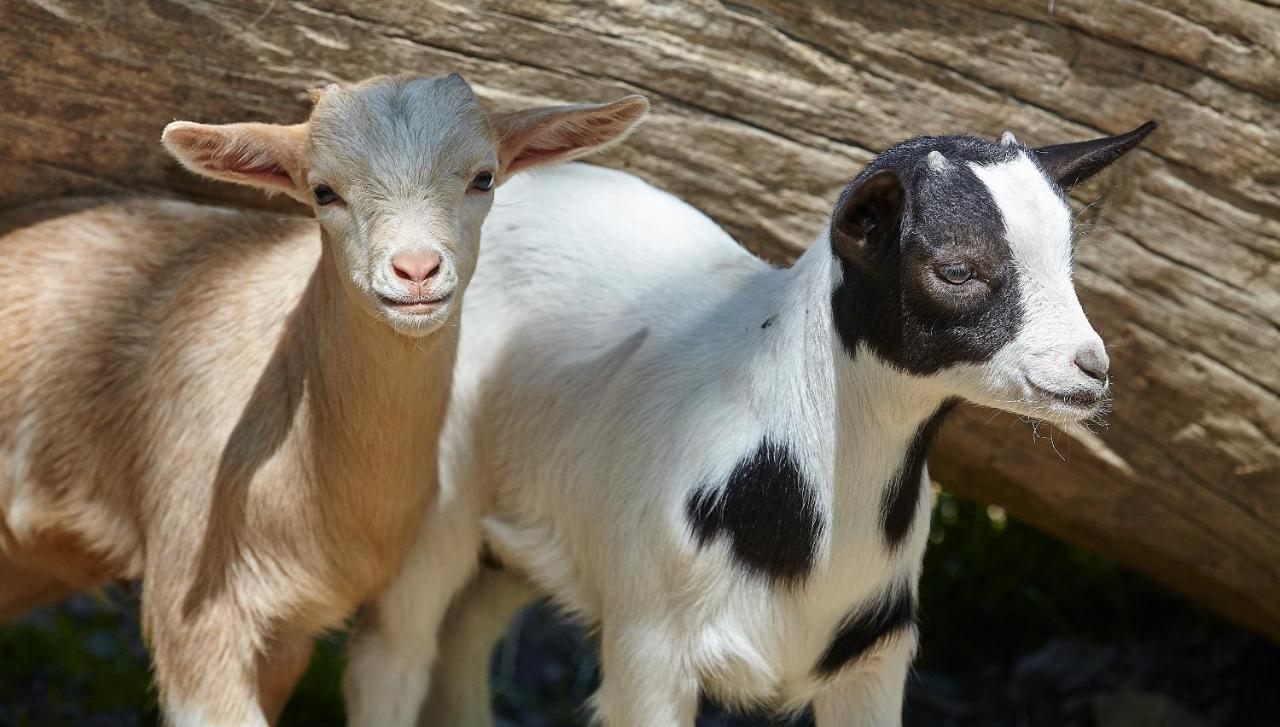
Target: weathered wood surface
{"type": "Point", "coordinates": [762, 110]}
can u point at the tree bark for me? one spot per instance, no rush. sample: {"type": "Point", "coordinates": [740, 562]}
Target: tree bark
{"type": "Point", "coordinates": [763, 109]}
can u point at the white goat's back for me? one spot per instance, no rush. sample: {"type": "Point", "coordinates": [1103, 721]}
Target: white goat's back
{"type": "Point", "coordinates": [593, 229]}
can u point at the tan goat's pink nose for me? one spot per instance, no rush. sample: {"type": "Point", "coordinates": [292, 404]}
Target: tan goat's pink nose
{"type": "Point", "coordinates": [416, 266]}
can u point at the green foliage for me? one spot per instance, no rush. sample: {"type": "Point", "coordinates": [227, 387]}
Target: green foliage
{"type": "Point", "coordinates": [994, 588]}
{"type": "Point", "coordinates": [78, 664]}
{"type": "Point", "coordinates": [83, 663]}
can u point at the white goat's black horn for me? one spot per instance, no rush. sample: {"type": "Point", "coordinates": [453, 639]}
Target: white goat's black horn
{"type": "Point", "coordinates": [1071, 164]}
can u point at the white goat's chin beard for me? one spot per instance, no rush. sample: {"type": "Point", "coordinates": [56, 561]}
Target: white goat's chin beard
{"type": "Point", "coordinates": [1058, 412]}
{"type": "Point", "coordinates": [1065, 411]}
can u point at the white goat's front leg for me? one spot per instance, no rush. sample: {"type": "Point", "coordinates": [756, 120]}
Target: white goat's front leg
{"type": "Point", "coordinates": [646, 681]}
{"type": "Point", "coordinates": [477, 620]}
{"type": "Point", "coordinates": [392, 649]}
{"type": "Point", "coordinates": [869, 695]}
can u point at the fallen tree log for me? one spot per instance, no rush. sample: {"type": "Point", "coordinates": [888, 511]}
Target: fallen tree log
{"type": "Point", "coordinates": [762, 110]}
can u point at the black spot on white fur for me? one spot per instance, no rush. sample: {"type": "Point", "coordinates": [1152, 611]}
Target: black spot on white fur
{"type": "Point", "coordinates": [884, 299]}
{"type": "Point", "coordinates": [767, 511]}
{"type": "Point", "coordinates": [892, 612]}
{"type": "Point", "coordinates": [902, 496]}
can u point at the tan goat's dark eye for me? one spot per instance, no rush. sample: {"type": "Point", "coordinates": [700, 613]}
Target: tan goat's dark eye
{"type": "Point", "coordinates": [955, 273]}
{"type": "Point", "coordinates": [483, 181]}
{"type": "Point", "coordinates": [325, 196]}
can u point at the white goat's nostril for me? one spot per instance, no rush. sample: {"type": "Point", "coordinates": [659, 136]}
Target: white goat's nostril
{"type": "Point", "coordinates": [416, 266]}
{"type": "Point", "coordinates": [1092, 360]}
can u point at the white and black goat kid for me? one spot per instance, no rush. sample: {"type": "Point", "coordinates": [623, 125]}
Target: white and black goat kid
{"type": "Point", "coordinates": [720, 465]}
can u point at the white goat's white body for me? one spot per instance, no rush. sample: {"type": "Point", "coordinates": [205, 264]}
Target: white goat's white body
{"type": "Point", "coordinates": [607, 313]}
{"type": "Point", "coordinates": [719, 464]}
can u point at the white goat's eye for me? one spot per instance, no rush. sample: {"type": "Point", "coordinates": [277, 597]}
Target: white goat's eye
{"type": "Point", "coordinates": [325, 196]}
{"type": "Point", "coordinates": [955, 273]}
{"type": "Point", "coordinates": [483, 181]}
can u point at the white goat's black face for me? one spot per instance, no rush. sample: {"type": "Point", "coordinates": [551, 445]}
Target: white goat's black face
{"type": "Point", "coordinates": [956, 256]}
{"type": "Point", "coordinates": [400, 173]}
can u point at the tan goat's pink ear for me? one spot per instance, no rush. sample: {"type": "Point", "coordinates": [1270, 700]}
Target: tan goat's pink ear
{"type": "Point", "coordinates": [559, 133]}
{"type": "Point", "coordinates": [268, 156]}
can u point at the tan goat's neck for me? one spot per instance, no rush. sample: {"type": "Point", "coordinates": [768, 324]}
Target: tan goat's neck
{"type": "Point", "coordinates": [374, 396]}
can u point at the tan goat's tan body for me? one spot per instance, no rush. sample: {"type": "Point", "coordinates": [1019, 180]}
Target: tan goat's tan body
{"type": "Point", "coordinates": [241, 409]}
{"type": "Point", "coordinates": [170, 369]}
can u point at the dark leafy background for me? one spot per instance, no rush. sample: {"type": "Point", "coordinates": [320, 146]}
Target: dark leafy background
{"type": "Point", "coordinates": [1018, 629]}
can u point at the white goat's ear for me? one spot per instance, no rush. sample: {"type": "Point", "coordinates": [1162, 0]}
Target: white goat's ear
{"type": "Point", "coordinates": [868, 217]}
{"type": "Point", "coordinates": [560, 133]}
{"type": "Point", "coordinates": [267, 156]}
{"type": "Point", "coordinates": [1071, 164]}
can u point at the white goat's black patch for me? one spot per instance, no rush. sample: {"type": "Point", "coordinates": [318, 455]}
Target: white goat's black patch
{"type": "Point", "coordinates": [891, 297]}
{"type": "Point", "coordinates": [767, 511]}
{"type": "Point", "coordinates": [864, 627]}
{"type": "Point", "coordinates": [902, 496]}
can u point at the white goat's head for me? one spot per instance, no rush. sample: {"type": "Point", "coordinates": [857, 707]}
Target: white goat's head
{"type": "Point", "coordinates": [956, 254]}
{"type": "Point", "coordinates": [400, 173]}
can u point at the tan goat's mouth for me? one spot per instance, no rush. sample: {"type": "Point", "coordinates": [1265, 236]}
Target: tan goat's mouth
{"type": "Point", "coordinates": [414, 306]}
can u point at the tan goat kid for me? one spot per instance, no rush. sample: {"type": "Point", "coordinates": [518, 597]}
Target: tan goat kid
{"type": "Point", "coordinates": [242, 412]}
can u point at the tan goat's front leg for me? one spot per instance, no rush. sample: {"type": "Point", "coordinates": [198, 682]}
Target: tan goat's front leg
{"type": "Point", "coordinates": [206, 655]}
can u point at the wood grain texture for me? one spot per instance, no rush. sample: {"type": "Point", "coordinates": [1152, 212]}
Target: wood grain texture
{"type": "Point", "coordinates": [762, 110]}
